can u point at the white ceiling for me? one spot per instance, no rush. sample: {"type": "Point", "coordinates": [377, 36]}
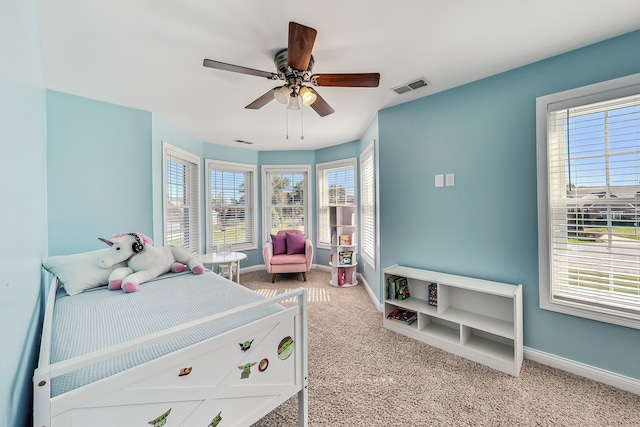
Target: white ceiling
{"type": "Point", "coordinates": [148, 54]}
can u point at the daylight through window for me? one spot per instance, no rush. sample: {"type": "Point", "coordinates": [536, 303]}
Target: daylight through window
{"type": "Point", "coordinates": [285, 199]}
{"type": "Point", "coordinates": [593, 208]}
{"type": "Point", "coordinates": [336, 186]}
{"type": "Point", "coordinates": [181, 199]}
{"type": "Point", "coordinates": [231, 205]}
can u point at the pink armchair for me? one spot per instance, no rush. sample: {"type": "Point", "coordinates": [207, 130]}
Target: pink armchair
{"type": "Point", "coordinates": [288, 254]}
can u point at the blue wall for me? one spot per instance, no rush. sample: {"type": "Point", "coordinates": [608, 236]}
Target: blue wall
{"type": "Point", "coordinates": [486, 225]}
{"type": "Point", "coordinates": [99, 172]}
{"type": "Point", "coordinates": [24, 204]}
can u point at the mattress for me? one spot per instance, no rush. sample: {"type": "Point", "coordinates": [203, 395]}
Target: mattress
{"type": "Point", "coordinates": [97, 319]}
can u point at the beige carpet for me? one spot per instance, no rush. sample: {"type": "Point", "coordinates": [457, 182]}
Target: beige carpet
{"type": "Point", "coordinates": [361, 374]}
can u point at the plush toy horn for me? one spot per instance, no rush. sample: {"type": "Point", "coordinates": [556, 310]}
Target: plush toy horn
{"type": "Point", "coordinates": [108, 242]}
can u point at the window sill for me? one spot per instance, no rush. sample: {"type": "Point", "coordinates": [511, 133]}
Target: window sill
{"type": "Point", "coordinates": [581, 310]}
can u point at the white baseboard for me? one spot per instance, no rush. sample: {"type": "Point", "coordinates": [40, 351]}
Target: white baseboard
{"type": "Point", "coordinates": [262, 267]}
{"type": "Point", "coordinates": [373, 297]}
{"type": "Point", "coordinates": [596, 374]}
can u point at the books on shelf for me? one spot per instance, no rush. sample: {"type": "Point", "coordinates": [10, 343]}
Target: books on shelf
{"type": "Point", "coordinates": [345, 257]}
{"type": "Point", "coordinates": [342, 276]}
{"type": "Point", "coordinates": [433, 294]}
{"type": "Point", "coordinates": [345, 239]}
{"type": "Point", "coordinates": [403, 316]}
{"type": "Point", "coordinates": [397, 288]}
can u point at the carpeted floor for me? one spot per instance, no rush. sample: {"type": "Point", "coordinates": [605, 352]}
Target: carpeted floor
{"type": "Point", "coordinates": [361, 374]}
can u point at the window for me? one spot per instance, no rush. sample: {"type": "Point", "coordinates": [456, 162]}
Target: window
{"type": "Point", "coordinates": [368, 206]}
{"type": "Point", "coordinates": [336, 186]}
{"type": "Point", "coordinates": [589, 201]}
{"type": "Point", "coordinates": [181, 198]}
{"type": "Point", "coordinates": [285, 199]}
{"type": "Point", "coordinates": [231, 195]}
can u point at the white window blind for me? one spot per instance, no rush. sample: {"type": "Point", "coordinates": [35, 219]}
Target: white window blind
{"type": "Point", "coordinates": [231, 205]}
{"type": "Point", "coordinates": [181, 199]}
{"type": "Point", "coordinates": [368, 206]}
{"type": "Point", "coordinates": [285, 199]}
{"type": "Point", "coordinates": [593, 176]}
{"type": "Point", "coordinates": [336, 186]}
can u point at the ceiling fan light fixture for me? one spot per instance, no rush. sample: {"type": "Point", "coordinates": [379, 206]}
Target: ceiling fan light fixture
{"type": "Point", "coordinates": [294, 102]}
{"type": "Point", "coordinates": [308, 96]}
{"type": "Point", "coordinates": [282, 94]}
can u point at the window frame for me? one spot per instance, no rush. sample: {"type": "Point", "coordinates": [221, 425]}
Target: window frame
{"type": "Point", "coordinates": [322, 196]}
{"type": "Point", "coordinates": [168, 151]}
{"type": "Point", "coordinates": [267, 170]}
{"type": "Point", "coordinates": [608, 90]}
{"type": "Point", "coordinates": [235, 167]}
{"type": "Point", "coordinates": [366, 188]}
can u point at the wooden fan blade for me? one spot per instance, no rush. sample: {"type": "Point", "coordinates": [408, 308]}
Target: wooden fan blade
{"type": "Point", "coordinates": [238, 69]}
{"type": "Point", "coordinates": [300, 45]}
{"type": "Point", "coordinates": [346, 80]}
{"type": "Point", "coordinates": [320, 105]}
{"type": "Point", "coordinates": [263, 100]}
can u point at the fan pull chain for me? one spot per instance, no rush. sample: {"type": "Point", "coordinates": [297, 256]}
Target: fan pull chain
{"type": "Point", "coordinates": [301, 123]}
{"type": "Point", "coordinates": [286, 112]}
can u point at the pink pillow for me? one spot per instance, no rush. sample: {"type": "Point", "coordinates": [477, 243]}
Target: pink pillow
{"type": "Point", "coordinates": [295, 243]}
{"type": "Point", "coordinates": [279, 244]}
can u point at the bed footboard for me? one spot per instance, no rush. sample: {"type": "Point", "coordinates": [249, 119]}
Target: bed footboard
{"type": "Point", "coordinates": [233, 378]}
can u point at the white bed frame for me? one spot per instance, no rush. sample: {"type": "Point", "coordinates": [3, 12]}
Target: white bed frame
{"type": "Point", "coordinates": [143, 394]}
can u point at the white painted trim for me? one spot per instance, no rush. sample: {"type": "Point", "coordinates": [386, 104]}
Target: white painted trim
{"type": "Point", "coordinates": [622, 382]}
{"type": "Point", "coordinates": [374, 300]}
{"type": "Point", "coordinates": [261, 267]}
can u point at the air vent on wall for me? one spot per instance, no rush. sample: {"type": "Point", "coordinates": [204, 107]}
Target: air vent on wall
{"type": "Point", "coordinates": [241, 141]}
{"type": "Point", "coordinates": [408, 87]}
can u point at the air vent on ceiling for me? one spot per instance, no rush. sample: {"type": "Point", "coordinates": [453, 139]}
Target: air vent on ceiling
{"type": "Point", "coordinates": [241, 141]}
{"type": "Point", "coordinates": [408, 87]}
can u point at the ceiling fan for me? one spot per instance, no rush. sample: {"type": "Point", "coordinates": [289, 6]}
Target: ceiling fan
{"type": "Point", "coordinates": [294, 65]}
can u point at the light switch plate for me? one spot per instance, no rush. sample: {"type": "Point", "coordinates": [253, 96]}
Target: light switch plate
{"type": "Point", "coordinates": [450, 179]}
{"type": "Point", "coordinates": [440, 180]}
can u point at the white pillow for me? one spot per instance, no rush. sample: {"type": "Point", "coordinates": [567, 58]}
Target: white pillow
{"type": "Point", "coordinates": [80, 272]}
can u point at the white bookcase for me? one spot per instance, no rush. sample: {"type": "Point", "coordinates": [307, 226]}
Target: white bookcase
{"type": "Point", "coordinates": [344, 238]}
{"type": "Point", "coordinates": [480, 320]}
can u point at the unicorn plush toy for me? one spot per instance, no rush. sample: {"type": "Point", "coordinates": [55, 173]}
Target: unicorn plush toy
{"type": "Point", "coordinates": [145, 262]}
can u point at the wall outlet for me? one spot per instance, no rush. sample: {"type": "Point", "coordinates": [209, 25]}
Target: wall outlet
{"type": "Point", "coordinates": [450, 179]}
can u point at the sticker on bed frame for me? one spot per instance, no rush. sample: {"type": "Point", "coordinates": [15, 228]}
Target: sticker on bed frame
{"type": "Point", "coordinates": [214, 422]}
{"type": "Point", "coordinates": [161, 420]}
{"type": "Point", "coordinates": [246, 370]}
{"type": "Point", "coordinates": [285, 348]}
{"type": "Point", "coordinates": [246, 345]}
{"type": "Point", "coordinates": [263, 365]}
{"type": "Point", "coordinates": [185, 371]}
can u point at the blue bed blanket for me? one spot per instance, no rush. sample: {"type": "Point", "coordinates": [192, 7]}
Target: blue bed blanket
{"type": "Point", "coordinates": [99, 318]}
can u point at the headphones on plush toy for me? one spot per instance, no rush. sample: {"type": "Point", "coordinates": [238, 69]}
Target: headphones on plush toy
{"type": "Point", "coordinates": [137, 246]}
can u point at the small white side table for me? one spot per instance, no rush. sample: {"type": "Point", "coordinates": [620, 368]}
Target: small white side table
{"type": "Point", "coordinates": [224, 259]}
